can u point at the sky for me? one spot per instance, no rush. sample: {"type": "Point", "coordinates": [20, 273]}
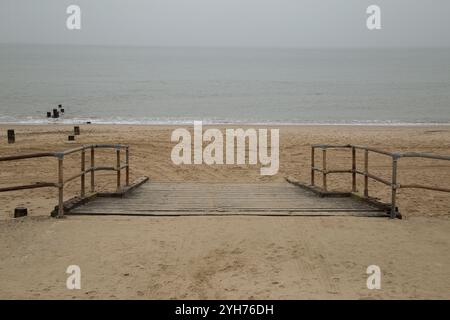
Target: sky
{"type": "Point", "coordinates": [228, 23]}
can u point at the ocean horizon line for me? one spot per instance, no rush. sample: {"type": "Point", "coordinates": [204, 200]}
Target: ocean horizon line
{"type": "Point", "coordinates": [231, 47]}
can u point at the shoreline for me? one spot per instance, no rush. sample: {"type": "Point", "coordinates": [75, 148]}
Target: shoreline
{"type": "Point", "coordinates": [235, 123]}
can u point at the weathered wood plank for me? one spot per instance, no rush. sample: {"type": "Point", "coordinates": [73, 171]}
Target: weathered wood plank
{"type": "Point", "coordinates": [235, 213]}
{"type": "Point", "coordinates": [193, 199]}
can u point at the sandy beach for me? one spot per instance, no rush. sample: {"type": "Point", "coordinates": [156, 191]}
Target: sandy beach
{"type": "Point", "coordinates": [226, 257]}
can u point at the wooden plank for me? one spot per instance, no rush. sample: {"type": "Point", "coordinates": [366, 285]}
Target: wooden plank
{"type": "Point", "coordinates": [230, 203]}
{"type": "Point", "coordinates": [194, 199]}
{"type": "Point", "coordinates": [189, 208]}
{"type": "Point", "coordinates": [221, 213]}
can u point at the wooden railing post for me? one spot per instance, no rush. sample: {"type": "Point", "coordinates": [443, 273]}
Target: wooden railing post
{"type": "Point", "coordinates": [60, 186]}
{"type": "Point", "coordinates": [394, 188]}
{"type": "Point", "coordinates": [83, 175]}
{"type": "Point", "coordinates": [353, 169]}
{"type": "Point", "coordinates": [324, 168]}
{"type": "Point", "coordinates": [127, 168]}
{"type": "Point", "coordinates": [92, 170]}
{"type": "Point", "coordinates": [312, 166]}
{"type": "Point", "coordinates": [366, 172]}
{"type": "Point", "coordinates": [118, 167]}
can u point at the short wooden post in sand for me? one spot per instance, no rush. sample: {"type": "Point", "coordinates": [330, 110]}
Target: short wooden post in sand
{"type": "Point", "coordinates": [127, 168]}
{"type": "Point", "coordinates": [366, 173]}
{"type": "Point", "coordinates": [83, 173]}
{"type": "Point", "coordinates": [20, 212]}
{"type": "Point", "coordinates": [92, 169]}
{"type": "Point", "coordinates": [60, 186]}
{"type": "Point", "coordinates": [11, 136]}
{"type": "Point", "coordinates": [353, 169]}
{"type": "Point", "coordinates": [312, 165]}
{"type": "Point", "coordinates": [118, 168]}
{"type": "Point", "coordinates": [394, 188]}
{"type": "Point", "coordinates": [324, 169]}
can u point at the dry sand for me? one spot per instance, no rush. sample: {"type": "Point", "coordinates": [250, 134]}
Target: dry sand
{"type": "Point", "coordinates": [226, 257]}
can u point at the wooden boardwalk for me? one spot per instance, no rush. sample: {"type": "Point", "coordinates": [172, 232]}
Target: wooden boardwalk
{"type": "Point", "coordinates": [191, 199]}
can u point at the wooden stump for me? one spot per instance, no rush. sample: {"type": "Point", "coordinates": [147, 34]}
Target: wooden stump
{"type": "Point", "coordinates": [20, 212]}
{"type": "Point", "coordinates": [11, 136]}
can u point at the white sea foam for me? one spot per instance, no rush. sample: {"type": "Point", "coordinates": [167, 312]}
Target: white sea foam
{"type": "Point", "coordinates": [189, 121]}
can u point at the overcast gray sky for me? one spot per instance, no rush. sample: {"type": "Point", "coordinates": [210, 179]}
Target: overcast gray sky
{"type": "Point", "coordinates": [268, 23]}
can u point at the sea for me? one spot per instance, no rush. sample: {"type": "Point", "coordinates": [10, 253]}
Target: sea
{"type": "Point", "coordinates": [175, 85]}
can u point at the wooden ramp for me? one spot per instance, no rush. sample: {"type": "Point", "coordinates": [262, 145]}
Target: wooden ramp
{"type": "Point", "coordinates": [191, 199]}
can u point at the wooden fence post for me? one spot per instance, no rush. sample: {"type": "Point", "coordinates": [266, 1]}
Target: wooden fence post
{"type": "Point", "coordinates": [353, 169]}
{"type": "Point", "coordinates": [11, 136]}
{"type": "Point", "coordinates": [394, 188]}
{"type": "Point", "coordinates": [324, 168]}
{"type": "Point", "coordinates": [366, 172]}
{"type": "Point", "coordinates": [92, 170]}
{"type": "Point", "coordinates": [127, 169]}
{"type": "Point", "coordinates": [118, 167]}
{"type": "Point", "coordinates": [83, 175]}
{"type": "Point", "coordinates": [312, 166]}
{"type": "Point", "coordinates": [60, 186]}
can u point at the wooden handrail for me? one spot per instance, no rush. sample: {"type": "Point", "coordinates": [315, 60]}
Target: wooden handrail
{"type": "Point", "coordinates": [28, 156]}
{"type": "Point", "coordinates": [83, 170]}
{"type": "Point", "coordinates": [29, 186]}
{"type": "Point", "coordinates": [393, 184]}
